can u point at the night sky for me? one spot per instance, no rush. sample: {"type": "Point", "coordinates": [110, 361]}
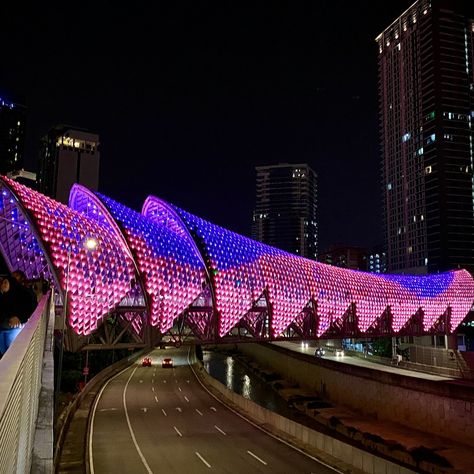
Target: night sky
{"type": "Point", "coordinates": [189, 97]}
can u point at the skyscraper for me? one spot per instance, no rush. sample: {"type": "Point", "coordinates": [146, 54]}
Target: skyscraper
{"type": "Point", "coordinates": [68, 155]}
{"type": "Point", "coordinates": [285, 211]}
{"type": "Point", "coordinates": [426, 91]}
{"type": "Point", "coordinates": [12, 136]}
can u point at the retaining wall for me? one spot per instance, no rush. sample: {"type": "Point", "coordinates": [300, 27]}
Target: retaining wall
{"type": "Point", "coordinates": [343, 452]}
{"type": "Point", "coordinates": [441, 408]}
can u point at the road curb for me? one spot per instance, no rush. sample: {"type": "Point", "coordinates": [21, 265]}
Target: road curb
{"type": "Point", "coordinates": [342, 456]}
{"type": "Point", "coordinates": [70, 450]}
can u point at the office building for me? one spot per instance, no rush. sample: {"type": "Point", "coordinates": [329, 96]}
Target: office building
{"type": "Point", "coordinates": [426, 92]}
{"type": "Point", "coordinates": [285, 211]}
{"type": "Point", "coordinates": [68, 155]}
{"type": "Point", "coordinates": [12, 136]}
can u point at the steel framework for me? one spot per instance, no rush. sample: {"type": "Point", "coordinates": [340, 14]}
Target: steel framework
{"type": "Point", "coordinates": [165, 273]}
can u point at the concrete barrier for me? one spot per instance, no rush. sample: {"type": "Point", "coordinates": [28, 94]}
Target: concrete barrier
{"type": "Point", "coordinates": [285, 428]}
{"type": "Point", "coordinates": [442, 408]}
{"type": "Point", "coordinates": [85, 397]}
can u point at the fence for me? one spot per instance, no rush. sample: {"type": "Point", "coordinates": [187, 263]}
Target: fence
{"type": "Point", "coordinates": [21, 370]}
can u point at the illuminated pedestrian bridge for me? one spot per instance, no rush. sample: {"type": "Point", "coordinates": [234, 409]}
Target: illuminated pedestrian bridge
{"type": "Point", "coordinates": [167, 271]}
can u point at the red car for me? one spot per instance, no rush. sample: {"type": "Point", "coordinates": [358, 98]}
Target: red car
{"type": "Point", "coordinates": [146, 362]}
{"type": "Point", "coordinates": [167, 363]}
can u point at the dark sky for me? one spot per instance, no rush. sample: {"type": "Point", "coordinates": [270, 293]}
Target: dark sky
{"type": "Point", "coordinates": [189, 97]}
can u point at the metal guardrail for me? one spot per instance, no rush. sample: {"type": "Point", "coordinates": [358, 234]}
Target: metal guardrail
{"type": "Point", "coordinates": [21, 370]}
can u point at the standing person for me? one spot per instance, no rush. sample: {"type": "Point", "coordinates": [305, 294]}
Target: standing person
{"type": "Point", "coordinates": [20, 277]}
{"type": "Point", "coordinates": [16, 306]}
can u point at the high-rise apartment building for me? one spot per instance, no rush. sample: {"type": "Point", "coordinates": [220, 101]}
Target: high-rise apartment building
{"type": "Point", "coordinates": [68, 155]}
{"type": "Point", "coordinates": [285, 211]}
{"type": "Point", "coordinates": [426, 91]}
{"type": "Point", "coordinates": [12, 136]}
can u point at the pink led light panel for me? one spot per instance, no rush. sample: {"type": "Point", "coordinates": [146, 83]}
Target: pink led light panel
{"type": "Point", "coordinates": [178, 255]}
{"type": "Point", "coordinates": [98, 280]}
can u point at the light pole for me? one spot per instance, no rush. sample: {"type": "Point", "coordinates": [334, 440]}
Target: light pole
{"type": "Point", "coordinates": [90, 244]}
{"type": "Point", "coordinates": [61, 343]}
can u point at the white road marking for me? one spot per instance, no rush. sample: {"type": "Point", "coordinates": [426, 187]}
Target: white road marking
{"type": "Point", "coordinates": [186, 398]}
{"type": "Point", "coordinates": [202, 459]}
{"type": "Point", "coordinates": [177, 431]}
{"type": "Point", "coordinates": [176, 381]}
{"type": "Point", "coordinates": [187, 381]}
{"type": "Point", "coordinates": [144, 410]}
{"type": "Point", "coordinates": [199, 412]}
{"type": "Point", "coordinates": [141, 381]}
{"type": "Point", "coordinates": [164, 413]}
{"type": "Point", "coordinates": [220, 431]}
{"type": "Point", "coordinates": [91, 432]}
{"type": "Point", "coordinates": [108, 409]}
{"type": "Point", "coordinates": [132, 434]}
{"type": "Point", "coordinates": [152, 381]}
{"type": "Point", "coordinates": [256, 457]}
{"type": "Point", "coordinates": [259, 427]}
{"type": "Point", "coordinates": [179, 409]}
{"type": "Point", "coordinates": [156, 399]}
{"type": "Point", "coordinates": [164, 381]}
{"type": "Point", "coordinates": [152, 389]}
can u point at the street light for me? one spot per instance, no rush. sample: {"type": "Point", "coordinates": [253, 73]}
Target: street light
{"type": "Point", "coordinates": [90, 244]}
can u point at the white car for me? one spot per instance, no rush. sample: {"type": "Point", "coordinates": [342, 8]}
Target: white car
{"type": "Point", "coordinates": [339, 352]}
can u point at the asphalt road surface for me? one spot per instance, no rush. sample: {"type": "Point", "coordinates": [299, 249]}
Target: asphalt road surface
{"type": "Point", "coordinates": [161, 420]}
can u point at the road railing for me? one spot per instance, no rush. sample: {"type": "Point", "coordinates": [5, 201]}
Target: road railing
{"type": "Point", "coordinates": [21, 388]}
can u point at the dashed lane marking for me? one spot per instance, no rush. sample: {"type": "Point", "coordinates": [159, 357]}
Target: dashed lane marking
{"type": "Point", "coordinates": [220, 431]}
{"type": "Point", "coordinates": [202, 459]}
{"type": "Point", "coordinates": [257, 458]}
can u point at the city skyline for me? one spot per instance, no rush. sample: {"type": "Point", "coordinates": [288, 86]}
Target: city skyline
{"type": "Point", "coordinates": [192, 101]}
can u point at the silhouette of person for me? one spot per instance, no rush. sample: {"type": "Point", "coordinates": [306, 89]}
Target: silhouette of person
{"type": "Point", "coordinates": [16, 306]}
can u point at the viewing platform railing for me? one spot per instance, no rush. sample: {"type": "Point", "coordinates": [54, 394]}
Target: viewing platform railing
{"type": "Point", "coordinates": [26, 395]}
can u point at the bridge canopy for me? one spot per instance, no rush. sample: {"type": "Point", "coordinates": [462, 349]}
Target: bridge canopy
{"type": "Point", "coordinates": [176, 265]}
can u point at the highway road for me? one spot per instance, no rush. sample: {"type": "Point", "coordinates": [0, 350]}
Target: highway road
{"type": "Point", "coordinates": [161, 420]}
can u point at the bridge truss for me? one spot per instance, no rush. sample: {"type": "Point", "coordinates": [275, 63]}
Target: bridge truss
{"type": "Point", "coordinates": [164, 273]}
